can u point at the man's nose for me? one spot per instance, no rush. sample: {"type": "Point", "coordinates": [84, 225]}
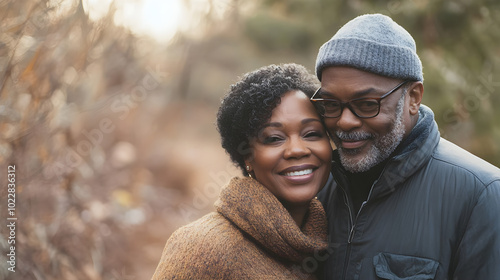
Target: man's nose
{"type": "Point", "coordinates": [348, 120]}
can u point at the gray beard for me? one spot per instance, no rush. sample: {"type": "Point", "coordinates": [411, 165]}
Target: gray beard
{"type": "Point", "coordinates": [381, 149]}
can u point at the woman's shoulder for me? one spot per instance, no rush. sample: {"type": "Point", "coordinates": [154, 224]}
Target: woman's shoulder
{"type": "Point", "coordinates": [199, 248]}
{"type": "Point", "coordinates": [212, 226]}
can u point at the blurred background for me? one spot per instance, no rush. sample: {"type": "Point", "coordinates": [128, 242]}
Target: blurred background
{"type": "Point", "coordinates": [107, 110]}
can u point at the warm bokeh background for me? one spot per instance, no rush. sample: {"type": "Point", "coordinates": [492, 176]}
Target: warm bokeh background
{"type": "Point", "coordinates": [107, 110]}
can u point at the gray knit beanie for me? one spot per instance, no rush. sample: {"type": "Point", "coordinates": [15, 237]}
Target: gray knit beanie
{"type": "Point", "coordinates": [372, 43]}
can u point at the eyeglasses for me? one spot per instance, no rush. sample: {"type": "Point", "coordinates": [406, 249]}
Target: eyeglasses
{"type": "Point", "coordinates": [361, 107]}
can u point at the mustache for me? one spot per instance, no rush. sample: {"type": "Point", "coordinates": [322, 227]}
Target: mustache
{"type": "Point", "coordinates": [353, 136]}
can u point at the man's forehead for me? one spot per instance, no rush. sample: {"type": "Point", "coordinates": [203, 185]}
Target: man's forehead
{"type": "Point", "coordinates": [336, 94]}
{"type": "Point", "coordinates": [342, 78]}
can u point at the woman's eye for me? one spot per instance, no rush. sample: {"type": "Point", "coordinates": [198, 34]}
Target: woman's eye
{"type": "Point", "coordinates": [314, 134]}
{"type": "Point", "coordinates": [271, 139]}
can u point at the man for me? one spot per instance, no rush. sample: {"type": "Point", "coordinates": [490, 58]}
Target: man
{"type": "Point", "coordinates": [403, 203]}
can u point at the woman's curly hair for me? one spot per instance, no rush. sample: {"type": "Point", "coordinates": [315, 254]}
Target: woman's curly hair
{"type": "Point", "coordinates": [249, 104]}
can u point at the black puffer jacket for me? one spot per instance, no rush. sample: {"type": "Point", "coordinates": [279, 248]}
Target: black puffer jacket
{"type": "Point", "coordinates": [434, 213]}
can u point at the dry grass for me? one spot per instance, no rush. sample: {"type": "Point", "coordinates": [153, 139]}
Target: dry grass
{"type": "Point", "coordinates": [108, 161]}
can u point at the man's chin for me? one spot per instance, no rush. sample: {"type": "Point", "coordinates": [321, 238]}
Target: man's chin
{"type": "Point", "coordinates": [351, 153]}
{"type": "Point", "coordinates": [352, 161]}
{"type": "Point", "coordinates": [357, 161]}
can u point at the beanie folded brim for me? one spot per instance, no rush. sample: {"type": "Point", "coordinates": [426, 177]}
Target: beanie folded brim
{"type": "Point", "coordinates": [371, 57]}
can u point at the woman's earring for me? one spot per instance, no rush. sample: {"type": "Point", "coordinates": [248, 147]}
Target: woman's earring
{"type": "Point", "coordinates": [248, 171]}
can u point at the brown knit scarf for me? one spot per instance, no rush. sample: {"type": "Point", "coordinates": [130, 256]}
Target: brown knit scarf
{"type": "Point", "coordinates": [251, 236]}
{"type": "Point", "coordinates": [256, 211]}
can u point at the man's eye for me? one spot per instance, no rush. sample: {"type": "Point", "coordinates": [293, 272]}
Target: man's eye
{"type": "Point", "coordinates": [331, 104]}
{"type": "Point", "coordinates": [366, 105]}
{"type": "Point", "coordinates": [331, 107]}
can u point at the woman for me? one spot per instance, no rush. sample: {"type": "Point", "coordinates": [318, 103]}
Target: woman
{"type": "Point", "coordinates": [268, 225]}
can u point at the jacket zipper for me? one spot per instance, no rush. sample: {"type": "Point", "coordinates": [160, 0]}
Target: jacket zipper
{"type": "Point", "coordinates": [353, 225]}
{"type": "Point", "coordinates": [350, 229]}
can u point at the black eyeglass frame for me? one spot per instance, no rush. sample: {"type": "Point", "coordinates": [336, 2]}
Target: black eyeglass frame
{"type": "Point", "coordinates": [347, 104]}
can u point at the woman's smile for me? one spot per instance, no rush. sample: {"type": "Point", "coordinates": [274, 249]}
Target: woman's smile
{"type": "Point", "coordinates": [291, 155]}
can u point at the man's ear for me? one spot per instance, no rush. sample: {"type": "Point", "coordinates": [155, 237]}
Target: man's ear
{"type": "Point", "coordinates": [415, 92]}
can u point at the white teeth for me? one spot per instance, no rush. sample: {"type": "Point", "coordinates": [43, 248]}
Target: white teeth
{"type": "Point", "coordinates": [299, 173]}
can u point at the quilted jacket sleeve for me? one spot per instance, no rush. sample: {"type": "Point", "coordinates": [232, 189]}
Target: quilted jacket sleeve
{"type": "Point", "coordinates": [478, 256]}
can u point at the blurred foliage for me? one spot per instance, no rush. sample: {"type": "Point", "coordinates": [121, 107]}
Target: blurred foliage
{"type": "Point", "coordinates": [283, 33]}
{"type": "Point", "coordinates": [112, 133]}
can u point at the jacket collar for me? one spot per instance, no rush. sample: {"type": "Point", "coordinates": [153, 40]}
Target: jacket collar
{"type": "Point", "coordinates": [257, 212]}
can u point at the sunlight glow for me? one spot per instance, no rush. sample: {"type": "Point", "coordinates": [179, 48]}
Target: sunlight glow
{"type": "Point", "coordinates": [96, 9]}
{"type": "Point", "coordinates": [156, 18]}
{"type": "Point", "coordinates": [159, 19]}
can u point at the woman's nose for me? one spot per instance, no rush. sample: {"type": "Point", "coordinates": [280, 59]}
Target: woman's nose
{"type": "Point", "coordinates": [296, 148]}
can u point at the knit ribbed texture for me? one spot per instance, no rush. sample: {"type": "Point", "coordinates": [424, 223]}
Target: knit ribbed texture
{"type": "Point", "coordinates": [372, 43]}
{"type": "Point", "coordinates": [251, 236]}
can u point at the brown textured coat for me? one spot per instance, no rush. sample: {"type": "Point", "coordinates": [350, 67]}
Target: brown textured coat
{"type": "Point", "coordinates": [251, 236]}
